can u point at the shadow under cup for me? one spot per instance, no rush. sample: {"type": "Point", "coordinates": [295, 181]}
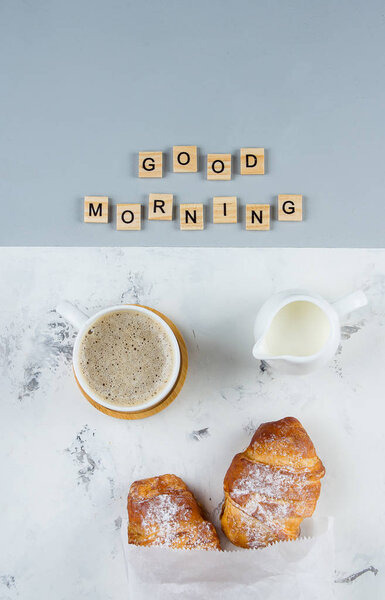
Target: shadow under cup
{"type": "Point", "coordinates": [155, 400]}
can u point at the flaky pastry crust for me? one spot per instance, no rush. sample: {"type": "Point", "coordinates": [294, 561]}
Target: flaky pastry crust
{"type": "Point", "coordinates": [163, 512]}
{"type": "Point", "coordinates": [271, 486]}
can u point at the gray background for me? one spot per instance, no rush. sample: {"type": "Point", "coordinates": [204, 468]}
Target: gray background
{"type": "Point", "coordinates": [87, 84]}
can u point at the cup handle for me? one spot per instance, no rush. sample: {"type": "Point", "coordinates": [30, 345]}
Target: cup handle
{"type": "Point", "coordinates": [72, 314]}
{"type": "Point", "coordinates": [346, 305]}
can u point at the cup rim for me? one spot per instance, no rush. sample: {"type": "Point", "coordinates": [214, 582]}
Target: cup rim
{"type": "Point", "coordinates": [176, 350]}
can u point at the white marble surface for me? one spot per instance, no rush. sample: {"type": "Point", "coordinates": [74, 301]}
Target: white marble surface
{"type": "Point", "coordinates": [66, 468]}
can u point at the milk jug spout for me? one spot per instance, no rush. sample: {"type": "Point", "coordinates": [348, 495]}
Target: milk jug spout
{"type": "Point", "coordinates": [259, 351]}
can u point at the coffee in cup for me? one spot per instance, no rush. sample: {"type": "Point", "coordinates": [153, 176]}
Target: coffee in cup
{"type": "Point", "coordinates": [126, 358]}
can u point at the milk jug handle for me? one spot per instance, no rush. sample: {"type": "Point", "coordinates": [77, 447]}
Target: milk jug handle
{"type": "Point", "coordinates": [72, 314]}
{"type": "Point", "coordinates": [349, 303]}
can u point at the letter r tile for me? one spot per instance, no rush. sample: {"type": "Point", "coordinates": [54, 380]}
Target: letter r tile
{"type": "Point", "coordinates": [160, 207]}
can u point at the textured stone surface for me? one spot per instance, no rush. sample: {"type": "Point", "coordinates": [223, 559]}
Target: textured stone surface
{"type": "Point", "coordinates": [66, 468]}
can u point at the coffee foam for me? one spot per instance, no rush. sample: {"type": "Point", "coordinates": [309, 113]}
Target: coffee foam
{"type": "Point", "coordinates": [126, 358]}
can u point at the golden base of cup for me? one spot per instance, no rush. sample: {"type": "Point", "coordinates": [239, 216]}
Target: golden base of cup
{"type": "Point", "coordinates": [148, 412]}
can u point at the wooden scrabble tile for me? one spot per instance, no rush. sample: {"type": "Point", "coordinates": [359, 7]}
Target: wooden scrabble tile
{"type": "Point", "coordinates": [219, 166]}
{"type": "Point", "coordinates": [252, 161]}
{"type": "Point", "coordinates": [150, 164]}
{"type": "Point", "coordinates": [160, 207]}
{"type": "Point", "coordinates": [96, 209]}
{"type": "Point", "coordinates": [128, 217]}
{"type": "Point", "coordinates": [289, 207]}
{"type": "Point", "coordinates": [185, 159]}
{"type": "Point", "coordinates": [225, 209]}
{"type": "Point", "coordinates": [258, 217]}
{"type": "Point", "coordinates": [191, 216]}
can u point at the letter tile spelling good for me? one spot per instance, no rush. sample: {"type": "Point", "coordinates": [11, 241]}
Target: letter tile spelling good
{"type": "Point", "coordinates": [252, 161]}
{"type": "Point", "coordinates": [219, 166]}
{"type": "Point", "coordinates": [185, 159]}
{"type": "Point", "coordinates": [150, 164]}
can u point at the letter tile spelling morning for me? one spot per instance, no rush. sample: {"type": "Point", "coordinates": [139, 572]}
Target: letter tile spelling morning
{"type": "Point", "coordinates": [128, 217]}
{"type": "Point", "coordinates": [96, 209]}
{"type": "Point", "coordinates": [150, 164]}
{"type": "Point", "coordinates": [225, 209]}
{"type": "Point", "coordinates": [252, 161]}
{"type": "Point", "coordinates": [191, 216]}
{"type": "Point", "coordinates": [289, 207]}
{"type": "Point", "coordinates": [219, 166]}
{"type": "Point", "coordinates": [185, 159]}
{"type": "Point", "coordinates": [257, 217]}
{"type": "Point", "coordinates": [160, 207]}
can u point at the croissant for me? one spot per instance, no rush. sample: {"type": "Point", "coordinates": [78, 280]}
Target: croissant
{"type": "Point", "coordinates": [271, 486]}
{"type": "Point", "coordinates": [163, 512]}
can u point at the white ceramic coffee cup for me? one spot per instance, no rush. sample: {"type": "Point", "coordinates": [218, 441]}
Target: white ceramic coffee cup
{"type": "Point", "coordinates": [83, 323]}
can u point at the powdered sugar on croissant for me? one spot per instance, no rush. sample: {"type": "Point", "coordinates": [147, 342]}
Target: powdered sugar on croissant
{"type": "Point", "coordinates": [271, 486]}
{"type": "Point", "coordinates": [163, 512]}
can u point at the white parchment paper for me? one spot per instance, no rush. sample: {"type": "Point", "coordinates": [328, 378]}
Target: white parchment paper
{"type": "Point", "coordinates": [298, 570]}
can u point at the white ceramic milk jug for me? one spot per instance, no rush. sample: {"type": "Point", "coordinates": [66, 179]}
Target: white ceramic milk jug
{"type": "Point", "coordinates": [298, 332]}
